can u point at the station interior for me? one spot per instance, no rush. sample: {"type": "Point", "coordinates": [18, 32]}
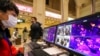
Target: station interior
{"type": "Point", "coordinates": [70, 27]}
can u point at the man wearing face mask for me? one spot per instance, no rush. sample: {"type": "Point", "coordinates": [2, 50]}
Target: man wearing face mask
{"type": "Point", "coordinates": [8, 18]}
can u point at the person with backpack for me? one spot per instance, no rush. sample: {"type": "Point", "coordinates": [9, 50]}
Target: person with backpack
{"type": "Point", "coordinates": [36, 30]}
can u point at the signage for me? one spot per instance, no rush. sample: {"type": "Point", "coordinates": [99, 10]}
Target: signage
{"type": "Point", "coordinates": [24, 8]}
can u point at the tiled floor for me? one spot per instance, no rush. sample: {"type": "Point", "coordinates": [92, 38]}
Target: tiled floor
{"type": "Point", "coordinates": [26, 50]}
{"type": "Point", "coordinates": [26, 47]}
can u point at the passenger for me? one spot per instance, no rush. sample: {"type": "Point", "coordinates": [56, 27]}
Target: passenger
{"type": "Point", "coordinates": [36, 30]}
{"type": "Point", "coordinates": [8, 18]}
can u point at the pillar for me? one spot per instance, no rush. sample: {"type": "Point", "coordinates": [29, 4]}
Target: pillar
{"type": "Point", "coordinates": [78, 8]}
{"type": "Point", "coordinates": [77, 11]}
{"type": "Point", "coordinates": [51, 3]}
{"type": "Point", "coordinates": [64, 10]}
{"type": "Point", "coordinates": [39, 10]}
{"type": "Point", "coordinates": [93, 6]}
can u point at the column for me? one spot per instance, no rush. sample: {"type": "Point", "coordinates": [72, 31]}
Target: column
{"type": "Point", "coordinates": [77, 11]}
{"type": "Point", "coordinates": [78, 8]}
{"type": "Point", "coordinates": [39, 10]}
{"type": "Point", "coordinates": [93, 7]}
{"type": "Point", "coordinates": [64, 10]}
{"type": "Point", "coordinates": [50, 3]}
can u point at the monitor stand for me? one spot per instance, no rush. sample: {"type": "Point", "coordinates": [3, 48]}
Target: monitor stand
{"type": "Point", "coordinates": [74, 54]}
{"type": "Point", "coordinates": [49, 45]}
{"type": "Point", "coordinates": [71, 54]}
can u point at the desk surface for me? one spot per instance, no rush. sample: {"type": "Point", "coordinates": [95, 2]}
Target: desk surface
{"type": "Point", "coordinates": [53, 50]}
{"type": "Point", "coordinates": [50, 51]}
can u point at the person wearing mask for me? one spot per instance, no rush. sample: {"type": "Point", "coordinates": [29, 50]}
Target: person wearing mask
{"type": "Point", "coordinates": [8, 18]}
{"type": "Point", "coordinates": [36, 30]}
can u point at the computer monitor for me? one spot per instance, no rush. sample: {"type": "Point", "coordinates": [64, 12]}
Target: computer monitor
{"type": "Point", "coordinates": [49, 34]}
{"type": "Point", "coordinates": [83, 35]}
{"type": "Point", "coordinates": [63, 35]}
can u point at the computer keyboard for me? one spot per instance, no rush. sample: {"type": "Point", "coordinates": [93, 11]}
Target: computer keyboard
{"type": "Point", "coordinates": [33, 45]}
{"type": "Point", "coordinates": [40, 52]}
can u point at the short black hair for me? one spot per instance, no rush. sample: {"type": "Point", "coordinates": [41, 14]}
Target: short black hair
{"type": "Point", "coordinates": [8, 5]}
{"type": "Point", "coordinates": [34, 18]}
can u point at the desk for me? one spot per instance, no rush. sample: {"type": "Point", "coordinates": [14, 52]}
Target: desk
{"type": "Point", "coordinates": [53, 50]}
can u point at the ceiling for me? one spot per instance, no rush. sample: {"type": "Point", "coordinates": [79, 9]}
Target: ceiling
{"type": "Point", "coordinates": [24, 2]}
{"type": "Point", "coordinates": [29, 0]}
{"type": "Point", "coordinates": [56, 4]}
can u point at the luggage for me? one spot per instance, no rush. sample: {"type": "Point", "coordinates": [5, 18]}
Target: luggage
{"type": "Point", "coordinates": [18, 41]}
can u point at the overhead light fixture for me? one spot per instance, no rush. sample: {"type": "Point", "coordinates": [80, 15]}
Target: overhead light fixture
{"type": "Point", "coordinates": [69, 18]}
{"type": "Point", "coordinates": [54, 15]}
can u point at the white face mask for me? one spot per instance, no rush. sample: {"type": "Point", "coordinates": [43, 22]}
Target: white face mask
{"type": "Point", "coordinates": [11, 22]}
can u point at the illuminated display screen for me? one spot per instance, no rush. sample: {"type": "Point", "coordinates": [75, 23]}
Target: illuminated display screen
{"type": "Point", "coordinates": [85, 37]}
{"type": "Point", "coordinates": [63, 35]}
{"type": "Point", "coordinates": [82, 36]}
{"type": "Point", "coordinates": [49, 34]}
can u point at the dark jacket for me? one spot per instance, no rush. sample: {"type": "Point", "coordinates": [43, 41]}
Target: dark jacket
{"type": "Point", "coordinates": [36, 30]}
